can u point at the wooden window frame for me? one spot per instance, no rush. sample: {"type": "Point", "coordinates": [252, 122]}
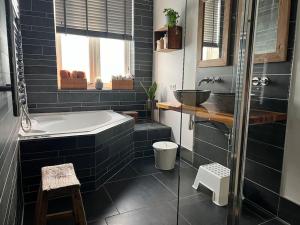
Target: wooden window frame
{"type": "Point", "coordinates": [94, 65]}
{"type": "Point", "coordinates": [280, 55]}
{"type": "Point", "coordinates": [223, 61]}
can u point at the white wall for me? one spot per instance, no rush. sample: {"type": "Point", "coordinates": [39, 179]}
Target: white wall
{"type": "Point", "coordinates": [290, 185]}
{"type": "Point", "coordinates": [168, 67]}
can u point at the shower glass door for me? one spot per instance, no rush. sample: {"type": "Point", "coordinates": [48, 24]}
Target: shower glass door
{"type": "Point", "coordinates": [234, 94]}
{"type": "Point", "coordinates": [271, 146]}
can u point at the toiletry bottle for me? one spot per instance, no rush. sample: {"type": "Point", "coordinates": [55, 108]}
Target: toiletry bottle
{"type": "Point", "coordinates": [165, 41]}
{"type": "Point", "coordinates": [162, 43]}
{"type": "Point", "coordinates": [158, 46]}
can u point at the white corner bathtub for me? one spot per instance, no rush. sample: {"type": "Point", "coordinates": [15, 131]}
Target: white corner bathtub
{"type": "Point", "coordinates": [70, 123]}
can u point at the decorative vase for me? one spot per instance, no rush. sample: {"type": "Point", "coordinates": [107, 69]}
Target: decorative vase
{"type": "Point", "coordinates": [151, 106]}
{"type": "Point", "coordinates": [99, 84]}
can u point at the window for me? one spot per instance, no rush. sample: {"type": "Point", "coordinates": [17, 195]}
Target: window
{"type": "Point", "coordinates": [113, 58]}
{"type": "Point", "coordinates": [93, 58]}
{"type": "Point", "coordinates": [75, 54]}
{"type": "Point", "coordinates": [93, 40]}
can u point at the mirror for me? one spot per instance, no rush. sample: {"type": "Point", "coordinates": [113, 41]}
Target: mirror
{"type": "Point", "coordinates": [272, 29]}
{"type": "Point", "coordinates": [266, 29]}
{"type": "Point", "coordinates": [213, 32]}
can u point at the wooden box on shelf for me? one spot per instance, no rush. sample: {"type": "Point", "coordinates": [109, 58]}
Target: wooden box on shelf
{"type": "Point", "coordinates": [122, 84]}
{"type": "Point", "coordinates": [174, 35]}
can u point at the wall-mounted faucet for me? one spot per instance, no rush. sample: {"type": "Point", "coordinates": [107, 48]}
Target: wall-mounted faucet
{"type": "Point", "coordinates": [212, 80]}
{"type": "Point", "coordinates": [264, 81]}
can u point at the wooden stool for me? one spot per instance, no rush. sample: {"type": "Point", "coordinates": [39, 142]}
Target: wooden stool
{"type": "Point", "coordinates": [59, 180]}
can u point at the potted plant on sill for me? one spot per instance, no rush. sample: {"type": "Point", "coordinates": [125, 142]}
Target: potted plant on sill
{"type": "Point", "coordinates": [151, 102]}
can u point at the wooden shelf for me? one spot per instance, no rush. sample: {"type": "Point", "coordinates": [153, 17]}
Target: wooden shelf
{"type": "Point", "coordinates": [167, 50]}
{"type": "Point", "coordinates": [162, 29]}
{"type": "Point", "coordinates": [204, 112]}
{"type": "Point", "coordinates": [174, 38]}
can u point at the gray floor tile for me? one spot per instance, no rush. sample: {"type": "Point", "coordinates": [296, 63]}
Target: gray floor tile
{"type": "Point", "coordinates": [137, 193]}
{"type": "Point", "coordinates": [187, 176]}
{"type": "Point", "coordinates": [97, 223]}
{"type": "Point", "coordinates": [141, 194]}
{"type": "Point", "coordinates": [125, 173]}
{"type": "Point", "coordinates": [274, 222]}
{"type": "Point", "coordinates": [159, 215]}
{"type": "Point", "coordinates": [57, 205]}
{"type": "Point", "coordinates": [199, 210]}
{"type": "Point", "coordinates": [98, 206]}
{"type": "Point", "coordinates": [248, 217]}
{"type": "Point", "coordinates": [144, 166]}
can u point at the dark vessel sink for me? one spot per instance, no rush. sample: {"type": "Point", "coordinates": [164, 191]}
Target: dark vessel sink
{"type": "Point", "coordinates": [222, 102]}
{"type": "Point", "coordinates": [192, 97]}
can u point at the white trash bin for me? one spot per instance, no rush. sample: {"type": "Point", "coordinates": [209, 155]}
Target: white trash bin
{"type": "Point", "coordinates": [165, 155]}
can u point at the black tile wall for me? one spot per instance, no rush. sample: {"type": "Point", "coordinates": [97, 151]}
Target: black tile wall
{"type": "Point", "coordinates": [95, 157]}
{"type": "Point", "coordinates": [261, 196]}
{"type": "Point", "coordinates": [146, 134]}
{"type": "Point", "coordinates": [210, 144]}
{"type": "Point", "coordinates": [11, 203]}
{"type": "Point", "coordinates": [260, 152]}
{"type": "Point", "coordinates": [289, 211]}
{"type": "Point", "coordinates": [210, 151]}
{"type": "Point", "coordinates": [40, 64]}
{"type": "Point", "coordinates": [265, 176]}
{"type": "Point", "coordinates": [265, 142]}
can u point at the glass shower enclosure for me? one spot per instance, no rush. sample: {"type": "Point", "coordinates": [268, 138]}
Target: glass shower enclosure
{"type": "Point", "coordinates": [233, 116]}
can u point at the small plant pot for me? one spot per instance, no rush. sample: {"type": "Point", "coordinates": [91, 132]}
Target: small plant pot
{"type": "Point", "coordinates": [167, 20]}
{"type": "Point", "coordinates": [151, 106]}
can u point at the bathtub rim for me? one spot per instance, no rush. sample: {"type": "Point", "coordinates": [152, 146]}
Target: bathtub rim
{"type": "Point", "coordinates": [125, 118]}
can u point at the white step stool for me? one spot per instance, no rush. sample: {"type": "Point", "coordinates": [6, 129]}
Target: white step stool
{"type": "Point", "coordinates": [215, 177]}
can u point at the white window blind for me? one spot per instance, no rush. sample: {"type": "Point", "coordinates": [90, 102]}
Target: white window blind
{"type": "Point", "coordinates": [99, 18]}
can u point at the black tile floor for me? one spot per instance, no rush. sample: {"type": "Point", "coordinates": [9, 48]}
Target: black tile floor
{"type": "Point", "coordinates": [140, 194]}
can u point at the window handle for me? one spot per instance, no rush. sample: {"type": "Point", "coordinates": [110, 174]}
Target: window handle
{"type": "Point", "coordinates": [5, 88]}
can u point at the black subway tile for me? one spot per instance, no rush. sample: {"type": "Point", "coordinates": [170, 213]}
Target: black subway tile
{"type": "Point", "coordinates": [261, 196]}
{"type": "Point", "coordinates": [140, 135]}
{"type": "Point", "coordinates": [262, 175]}
{"type": "Point", "coordinates": [211, 152]}
{"type": "Point", "coordinates": [266, 154]}
{"type": "Point", "coordinates": [289, 211]}
{"type": "Point", "coordinates": [159, 133]}
{"type": "Point", "coordinates": [272, 133]}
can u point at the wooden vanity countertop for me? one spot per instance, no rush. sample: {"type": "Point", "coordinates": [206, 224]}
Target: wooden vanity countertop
{"type": "Point", "coordinates": [256, 116]}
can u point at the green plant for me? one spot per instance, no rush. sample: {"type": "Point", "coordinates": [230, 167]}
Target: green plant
{"type": "Point", "coordinates": [151, 90]}
{"type": "Point", "coordinates": [172, 16]}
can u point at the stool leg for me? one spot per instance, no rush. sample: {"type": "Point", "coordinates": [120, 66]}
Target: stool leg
{"type": "Point", "coordinates": [79, 214]}
{"type": "Point", "coordinates": [197, 180]}
{"type": "Point", "coordinates": [41, 208]}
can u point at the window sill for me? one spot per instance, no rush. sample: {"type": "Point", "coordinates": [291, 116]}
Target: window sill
{"type": "Point", "coordinates": [91, 88]}
{"type": "Point", "coordinates": [94, 90]}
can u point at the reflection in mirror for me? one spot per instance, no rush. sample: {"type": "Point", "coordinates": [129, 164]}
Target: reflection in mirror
{"type": "Point", "coordinates": [214, 19]}
{"type": "Point", "coordinates": [267, 26]}
{"type": "Point", "coordinates": [213, 29]}
{"type": "Point", "coordinates": [271, 30]}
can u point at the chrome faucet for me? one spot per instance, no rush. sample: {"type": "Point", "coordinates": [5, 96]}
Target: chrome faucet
{"type": "Point", "coordinates": [210, 80]}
